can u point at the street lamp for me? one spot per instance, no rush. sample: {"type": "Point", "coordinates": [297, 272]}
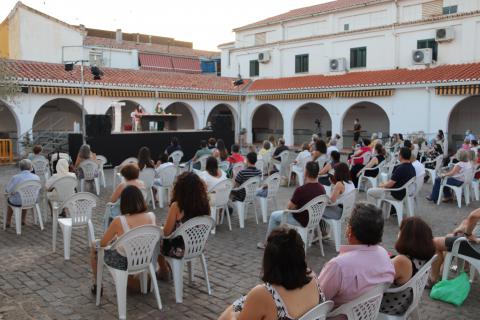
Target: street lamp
{"type": "Point", "coordinates": [238, 83]}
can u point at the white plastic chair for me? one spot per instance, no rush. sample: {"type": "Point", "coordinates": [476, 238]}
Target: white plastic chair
{"type": "Point", "coordinates": [29, 192]}
{"type": "Point", "coordinates": [219, 197]}
{"type": "Point", "coordinates": [203, 162]}
{"type": "Point", "coordinates": [224, 165]}
{"type": "Point", "coordinates": [416, 286]}
{"type": "Point", "coordinates": [299, 170]}
{"type": "Point", "coordinates": [432, 173]}
{"type": "Point", "coordinates": [147, 175]}
{"type": "Point", "coordinates": [139, 246]}
{"type": "Point", "coordinates": [348, 203]}
{"type": "Point", "coordinates": [318, 312]}
{"type": "Point", "coordinates": [167, 176]}
{"type": "Point", "coordinates": [237, 167]}
{"type": "Point", "coordinates": [372, 180]}
{"type": "Point", "coordinates": [365, 158]}
{"type": "Point", "coordinates": [260, 165]}
{"type": "Point", "coordinates": [41, 167]}
{"type": "Point", "coordinates": [176, 157]}
{"type": "Point", "coordinates": [116, 170]}
{"type": "Point", "coordinates": [419, 182]}
{"type": "Point", "coordinates": [286, 158]}
{"type": "Point", "coordinates": [250, 186]}
{"type": "Point", "coordinates": [273, 184]}
{"type": "Point", "coordinates": [365, 307]}
{"type": "Point", "coordinates": [59, 155]}
{"type": "Point", "coordinates": [90, 173]}
{"type": "Point", "coordinates": [267, 158]}
{"type": "Point", "coordinates": [386, 203]}
{"type": "Point", "coordinates": [474, 263]}
{"type": "Point", "coordinates": [108, 212]}
{"type": "Point", "coordinates": [101, 174]}
{"type": "Point", "coordinates": [463, 189]}
{"type": "Point", "coordinates": [315, 209]}
{"type": "Point", "coordinates": [387, 170]}
{"type": "Point", "coordinates": [476, 186]}
{"type": "Point", "coordinates": [195, 234]}
{"type": "Point", "coordinates": [322, 160]}
{"type": "Point", "coordinates": [80, 207]}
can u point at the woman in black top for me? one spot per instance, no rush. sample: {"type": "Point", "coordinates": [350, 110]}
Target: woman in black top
{"type": "Point", "coordinates": [375, 161]}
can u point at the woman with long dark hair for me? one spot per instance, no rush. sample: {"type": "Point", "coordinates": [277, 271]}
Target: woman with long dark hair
{"type": "Point", "coordinates": [145, 159]}
{"type": "Point", "coordinates": [220, 151]}
{"type": "Point", "coordinates": [212, 174]}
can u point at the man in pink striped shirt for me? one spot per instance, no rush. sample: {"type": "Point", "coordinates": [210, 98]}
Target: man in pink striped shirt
{"type": "Point", "coordinates": [363, 263]}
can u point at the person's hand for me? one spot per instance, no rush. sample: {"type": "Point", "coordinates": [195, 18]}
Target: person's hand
{"type": "Point", "coordinates": [473, 239]}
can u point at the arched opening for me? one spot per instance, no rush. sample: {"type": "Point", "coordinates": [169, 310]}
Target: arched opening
{"type": "Point", "coordinates": [222, 117]}
{"type": "Point", "coordinates": [186, 119]}
{"type": "Point", "coordinates": [8, 125]}
{"type": "Point", "coordinates": [266, 121]}
{"type": "Point", "coordinates": [57, 115]}
{"type": "Point", "coordinates": [127, 107]}
{"type": "Point", "coordinates": [305, 123]}
{"type": "Point", "coordinates": [465, 115]}
{"type": "Point", "coordinates": [372, 119]}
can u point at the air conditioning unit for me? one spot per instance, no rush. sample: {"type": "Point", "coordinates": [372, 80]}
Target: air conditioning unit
{"type": "Point", "coordinates": [264, 57]}
{"type": "Point", "coordinates": [338, 65]}
{"type": "Point", "coordinates": [444, 34]}
{"type": "Point", "coordinates": [422, 56]}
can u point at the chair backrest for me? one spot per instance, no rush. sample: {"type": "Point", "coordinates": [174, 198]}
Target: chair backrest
{"type": "Point", "coordinates": [80, 207]}
{"type": "Point", "coordinates": [102, 160]}
{"type": "Point", "coordinates": [221, 193]}
{"type": "Point", "coordinates": [28, 192]}
{"type": "Point", "coordinates": [419, 181]}
{"type": "Point", "coordinates": [273, 184]}
{"type": "Point", "coordinates": [65, 187]}
{"type": "Point", "coordinates": [321, 161]}
{"type": "Point", "coordinates": [250, 186]}
{"type": "Point", "coordinates": [41, 166]}
{"type": "Point", "coordinates": [365, 307]}
{"type": "Point", "coordinates": [147, 175]}
{"type": "Point", "coordinates": [89, 169]}
{"type": "Point", "coordinates": [176, 157]}
{"type": "Point", "coordinates": [237, 167]}
{"type": "Point", "coordinates": [438, 163]}
{"type": "Point", "coordinates": [128, 161]}
{"type": "Point", "coordinates": [139, 245]}
{"type": "Point", "coordinates": [315, 208]}
{"type": "Point", "coordinates": [260, 165]}
{"type": "Point", "coordinates": [348, 203]}
{"type": "Point", "coordinates": [319, 312]}
{"type": "Point", "coordinates": [410, 187]}
{"type": "Point", "coordinates": [203, 162]}
{"type": "Point", "coordinates": [469, 174]}
{"type": "Point", "coordinates": [416, 285]}
{"type": "Point", "coordinates": [267, 157]}
{"type": "Point", "coordinates": [195, 234]}
{"type": "Point", "coordinates": [167, 176]}
{"type": "Point", "coordinates": [60, 155]}
{"type": "Point", "coordinates": [303, 162]}
{"type": "Point", "coordinates": [284, 156]}
{"type": "Point", "coordinates": [224, 165]}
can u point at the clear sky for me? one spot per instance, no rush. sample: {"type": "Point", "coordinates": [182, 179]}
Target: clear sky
{"type": "Point", "coordinates": [205, 23]}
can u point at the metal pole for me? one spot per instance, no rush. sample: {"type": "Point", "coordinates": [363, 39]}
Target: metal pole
{"type": "Point", "coordinates": [84, 128]}
{"type": "Point", "coordinates": [239, 119]}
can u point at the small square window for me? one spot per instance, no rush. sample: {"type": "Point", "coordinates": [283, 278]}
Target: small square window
{"type": "Point", "coordinates": [450, 9]}
{"type": "Point", "coordinates": [301, 63]}
{"type": "Point", "coordinates": [254, 68]}
{"type": "Point", "coordinates": [358, 57]}
{"type": "Point", "coordinates": [346, 27]}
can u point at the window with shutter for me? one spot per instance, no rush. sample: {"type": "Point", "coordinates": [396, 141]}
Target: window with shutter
{"type": "Point", "coordinates": [358, 57]}
{"type": "Point", "coordinates": [432, 8]}
{"type": "Point", "coordinates": [260, 38]}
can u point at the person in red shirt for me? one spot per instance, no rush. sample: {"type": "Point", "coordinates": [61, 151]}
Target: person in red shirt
{"type": "Point", "coordinates": [358, 161]}
{"type": "Point", "coordinates": [236, 156]}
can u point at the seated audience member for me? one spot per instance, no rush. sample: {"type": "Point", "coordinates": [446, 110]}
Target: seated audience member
{"type": "Point", "coordinates": [474, 145]}
{"type": "Point", "coordinates": [133, 214]}
{"type": "Point", "coordinates": [220, 152]}
{"type": "Point", "coordinates": [62, 169]}
{"type": "Point", "coordinates": [363, 263]}
{"type": "Point", "coordinates": [189, 200]}
{"type": "Point", "coordinates": [161, 164]}
{"type": "Point", "coordinates": [212, 174]}
{"type": "Point", "coordinates": [83, 154]}
{"type": "Point", "coordinates": [203, 151]}
{"type": "Point", "coordinates": [265, 149]}
{"type": "Point", "coordinates": [212, 143]}
{"type": "Point", "coordinates": [13, 198]}
{"type": "Point", "coordinates": [466, 144]}
{"type": "Point", "coordinates": [281, 147]}
{"type": "Point", "coordinates": [401, 175]}
{"type": "Point", "coordinates": [418, 166]}
{"type": "Point", "coordinates": [37, 153]}
{"type": "Point", "coordinates": [301, 196]}
{"type": "Point", "coordinates": [174, 146]}
{"type": "Point", "coordinates": [145, 159]}
{"type": "Point", "coordinates": [249, 172]}
{"type": "Point", "coordinates": [358, 162]}
{"type": "Point", "coordinates": [236, 157]}
{"type": "Point", "coordinates": [302, 156]}
{"type": "Point", "coordinates": [341, 187]}
{"type": "Point", "coordinates": [273, 143]}
{"type": "Point", "coordinates": [468, 228]}
{"type": "Point", "coordinates": [454, 177]}
{"type": "Point", "coordinates": [378, 157]}
{"type": "Point", "coordinates": [332, 147]}
{"type": "Point", "coordinates": [289, 289]}
{"type": "Point", "coordinates": [319, 150]}
{"type": "Point", "coordinates": [325, 172]}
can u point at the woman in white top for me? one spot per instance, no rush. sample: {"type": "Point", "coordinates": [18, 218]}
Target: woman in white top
{"type": "Point", "coordinates": [62, 171]}
{"type": "Point", "coordinates": [302, 157]}
{"type": "Point", "coordinates": [455, 177]}
{"type": "Point", "coordinates": [212, 174]}
{"type": "Point", "coordinates": [342, 186]}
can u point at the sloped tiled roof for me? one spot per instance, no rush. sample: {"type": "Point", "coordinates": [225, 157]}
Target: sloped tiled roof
{"type": "Point", "coordinates": [396, 77]}
{"type": "Point", "coordinates": [306, 11]}
{"type": "Point", "coordinates": [28, 71]}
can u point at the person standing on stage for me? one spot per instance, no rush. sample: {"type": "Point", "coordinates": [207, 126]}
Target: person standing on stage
{"type": "Point", "coordinates": [137, 116]}
{"type": "Point", "coordinates": [357, 128]}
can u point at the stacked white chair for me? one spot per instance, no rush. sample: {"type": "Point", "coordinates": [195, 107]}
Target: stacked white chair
{"type": "Point", "coordinates": [101, 173]}
{"type": "Point", "coordinates": [432, 173]}
{"type": "Point", "coordinates": [315, 208]}
{"type": "Point", "coordinates": [167, 176]}
{"type": "Point", "coordinates": [273, 184]}
{"type": "Point", "coordinates": [399, 205]}
{"type": "Point", "coordinates": [464, 189]}
{"type": "Point", "coordinates": [299, 170]}
{"type": "Point", "coordinates": [116, 169]}
{"type": "Point", "coordinates": [29, 193]}
{"type": "Point", "coordinates": [250, 186]}
{"type": "Point", "coordinates": [219, 197]}
{"type": "Point", "coordinates": [365, 307]}
{"type": "Point", "coordinates": [147, 175]}
{"type": "Point", "coordinates": [80, 208]}
{"type": "Point", "coordinates": [90, 173]}
{"type": "Point", "coordinates": [474, 263]}
{"type": "Point", "coordinates": [415, 286]}
{"type": "Point", "coordinates": [348, 202]}
{"type": "Point", "coordinates": [139, 246]}
{"type": "Point", "coordinates": [373, 181]}
{"type": "Point", "coordinates": [318, 312]}
{"type": "Point", "coordinates": [195, 234]}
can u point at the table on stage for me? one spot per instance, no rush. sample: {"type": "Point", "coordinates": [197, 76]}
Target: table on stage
{"type": "Point", "coordinates": [162, 122]}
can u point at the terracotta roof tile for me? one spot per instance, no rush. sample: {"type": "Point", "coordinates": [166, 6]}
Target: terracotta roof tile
{"type": "Point", "coordinates": [445, 73]}
{"type": "Point", "coordinates": [52, 72]}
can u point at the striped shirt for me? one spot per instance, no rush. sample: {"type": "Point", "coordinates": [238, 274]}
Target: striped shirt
{"type": "Point", "coordinates": [243, 176]}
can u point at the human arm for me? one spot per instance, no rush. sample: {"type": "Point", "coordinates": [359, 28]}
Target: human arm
{"type": "Point", "coordinates": [388, 184]}
{"type": "Point", "coordinates": [118, 191]}
{"type": "Point", "coordinates": [467, 225]}
{"type": "Point", "coordinates": [111, 232]}
{"type": "Point", "coordinates": [325, 169]}
{"type": "Point", "coordinates": [291, 205]}
{"type": "Point", "coordinates": [172, 217]}
{"type": "Point", "coordinates": [403, 269]}
{"type": "Point", "coordinates": [454, 171]}
{"type": "Point", "coordinates": [258, 305]}
{"type": "Point", "coordinates": [77, 161]}
{"type": "Point", "coordinates": [337, 191]}
{"type": "Point", "coordinates": [330, 279]}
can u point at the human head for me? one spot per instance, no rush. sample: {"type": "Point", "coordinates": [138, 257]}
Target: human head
{"type": "Point", "coordinates": [190, 194]}
{"type": "Point", "coordinates": [321, 146]}
{"type": "Point", "coordinates": [400, 136]}
{"type": "Point", "coordinates": [284, 260]}
{"type": "Point", "coordinates": [211, 142]}
{"type": "Point", "coordinates": [335, 155]}
{"type": "Point", "coordinates": [25, 165]}
{"type": "Point", "coordinates": [144, 157]}
{"type": "Point", "coordinates": [203, 144]}
{"type": "Point", "coordinates": [130, 171]}
{"type": "Point", "coordinates": [366, 141]}
{"type": "Point", "coordinates": [62, 166]}
{"type": "Point", "coordinates": [405, 153]}
{"type": "Point", "coordinates": [415, 239]}
{"type": "Point", "coordinates": [305, 146]}
{"type": "Point", "coordinates": [408, 144]}
{"type": "Point", "coordinates": [37, 149]}
{"type": "Point", "coordinates": [462, 155]}
{"type": "Point", "coordinates": [163, 158]}
{"type": "Point", "coordinates": [333, 142]}
{"type": "Point", "coordinates": [84, 152]}
{"type": "Point", "coordinates": [212, 166]}
{"type": "Point", "coordinates": [220, 145]}
{"type": "Point", "coordinates": [357, 120]}
{"type": "Point", "coordinates": [281, 141]}
{"type": "Point", "coordinates": [132, 201]}
{"type": "Point", "coordinates": [266, 145]}
{"type": "Point", "coordinates": [139, 107]}
{"type": "Point", "coordinates": [474, 143]}
{"type": "Point", "coordinates": [312, 169]}
{"type": "Point", "coordinates": [374, 136]}
{"type": "Point", "coordinates": [251, 158]}
{"type": "Point", "coordinates": [466, 141]}
{"type": "Point", "coordinates": [271, 139]}
{"type": "Point", "coordinates": [235, 148]}
{"type": "Point", "coordinates": [315, 137]}
{"type": "Point", "coordinates": [341, 173]}
{"type": "Point", "coordinates": [174, 141]}
{"type": "Point", "coordinates": [365, 225]}
{"type": "Point", "coordinates": [379, 150]}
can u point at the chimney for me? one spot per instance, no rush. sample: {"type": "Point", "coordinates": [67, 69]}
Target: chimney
{"type": "Point", "coordinates": [118, 36]}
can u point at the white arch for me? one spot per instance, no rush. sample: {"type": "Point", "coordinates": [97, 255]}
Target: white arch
{"type": "Point", "coordinates": [14, 114]}
{"type": "Point", "coordinates": [196, 121]}
{"type": "Point", "coordinates": [379, 107]}
{"type": "Point", "coordinates": [456, 106]}
{"type": "Point", "coordinates": [71, 101]}
{"type": "Point", "coordinates": [317, 105]}
{"type": "Point", "coordinates": [254, 111]}
{"type": "Point", "coordinates": [232, 110]}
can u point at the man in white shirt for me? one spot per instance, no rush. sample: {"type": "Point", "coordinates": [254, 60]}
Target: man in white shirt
{"type": "Point", "coordinates": [332, 147]}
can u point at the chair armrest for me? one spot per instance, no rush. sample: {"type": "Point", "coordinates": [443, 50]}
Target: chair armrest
{"type": "Point", "coordinates": [456, 245]}
{"type": "Point", "coordinates": [394, 189]}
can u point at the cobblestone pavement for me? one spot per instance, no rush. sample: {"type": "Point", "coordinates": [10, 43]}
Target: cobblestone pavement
{"type": "Point", "coordinates": [36, 283]}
